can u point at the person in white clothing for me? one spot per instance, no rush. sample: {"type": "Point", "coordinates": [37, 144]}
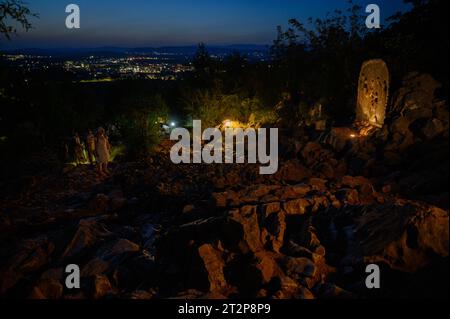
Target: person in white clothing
{"type": "Point", "coordinates": [102, 150]}
{"type": "Point", "coordinates": [90, 147]}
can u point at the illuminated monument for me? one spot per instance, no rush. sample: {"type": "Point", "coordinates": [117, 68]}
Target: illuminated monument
{"type": "Point", "coordinates": [373, 92]}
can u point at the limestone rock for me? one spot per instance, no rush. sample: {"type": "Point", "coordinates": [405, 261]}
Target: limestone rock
{"type": "Point", "coordinates": [292, 171]}
{"type": "Point", "coordinates": [266, 266]}
{"type": "Point", "coordinates": [241, 229]}
{"type": "Point", "coordinates": [417, 92]}
{"type": "Point", "coordinates": [348, 196]}
{"type": "Point", "coordinates": [296, 206]}
{"type": "Point", "coordinates": [404, 234]}
{"type": "Point", "coordinates": [299, 267]}
{"type": "Point", "coordinates": [117, 199]}
{"type": "Point", "coordinates": [275, 226]}
{"type": "Point", "coordinates": [318, 184]}
{"type": "Point", "coordinates": [433, 128]}
{"type": "Point", "coordinates": [95, 266]}
{"type": "Point", "coordinates": [117, 249]}
{"type": "Point", "coordinates": [141, 295]}
{"type": "Point", "coordinates": [268, 209]}
{"type": "Point", "coordinates": [220, 199]}
{"type": "Point", "coordinates": [47, 289]}
{"type": "Point", "coordinates": [31, 255]}
{"type": "Point", "coordinates": [89, 233]}
{"type": "Point", "coordinates": [102, 286]}
{"type": "Point", "coordinates": [213, 264]}
{"type": "Point", "coordinates": [99, 204]}
{"type": "Point", "coordinates": [301, 189]}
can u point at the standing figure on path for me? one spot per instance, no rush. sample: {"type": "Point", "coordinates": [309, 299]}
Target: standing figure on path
{"type": "Point", "coordinates": [79, 154]}
{"type": "Point", "coordinates": [102, 149]}
{"type": "Point", "coordinates": [64, 150]}
{"type": "Point", "coordinates": [90, 145]}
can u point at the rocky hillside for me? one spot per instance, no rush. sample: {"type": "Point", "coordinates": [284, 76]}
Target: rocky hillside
{"type": "Point", "coordinates": [340, 200]}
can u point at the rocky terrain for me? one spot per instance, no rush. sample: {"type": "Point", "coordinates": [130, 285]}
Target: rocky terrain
{"type": "Point", "coordinates": [341, 199]}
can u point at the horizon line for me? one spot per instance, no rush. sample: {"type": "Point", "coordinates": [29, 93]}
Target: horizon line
{"type": "Point", "coordinates": [134, 47]}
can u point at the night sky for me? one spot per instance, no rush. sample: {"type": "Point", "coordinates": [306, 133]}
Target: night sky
{"type": "Point", "coordinates": [136, 23]}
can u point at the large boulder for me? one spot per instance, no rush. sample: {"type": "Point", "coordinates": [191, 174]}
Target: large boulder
{"type": "Point", "coordinates": [296, 206]}
{"type": "Point", "coordinates": [30, 256]}
{"type": "Point", "coordinates": [49, 285]}
{"type": "Point", "coordinates": [99, 204]}
{"type": "Point", "coordinates": [274, 229]}
{"type": "Point", "coordinates": [47, 289]}
{"type": "Point", "coordinates": [117, 249]}
{"type": "Point", "coordinates": [299, 267]}
{"type": "Point", "coordinates": [292, 171]}
{"type": "Point", "coordinates": [403, 235]}
{"type": "Point", "coordinates": [89, 233]}
{"type": "Point", "coordinates": [417, 92]}
{"type": "Point", "coordinates": [102, 287]}
{"type": "Point", "coordinates": [213, 264]}
{"type": "Point", "coordinates": [241, 230]}
{"type": "Point", "coordinates": [434, 128]}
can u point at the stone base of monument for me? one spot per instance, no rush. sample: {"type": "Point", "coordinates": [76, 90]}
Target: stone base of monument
{"type": "Point", "coordinates": [364, 128]}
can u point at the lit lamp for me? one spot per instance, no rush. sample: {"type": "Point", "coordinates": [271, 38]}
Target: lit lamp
{"type": "Point", "coordinates": [173, 124]}
{"type": "Point", "coordinates": [227, 123]}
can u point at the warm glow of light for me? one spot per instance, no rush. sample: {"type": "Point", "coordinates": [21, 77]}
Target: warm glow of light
{"type": "Point", "coordinates": [352, 135]}
{"type": "Point", "coordinates": [228, 124]}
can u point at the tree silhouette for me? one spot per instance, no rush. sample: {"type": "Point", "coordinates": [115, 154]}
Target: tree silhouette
{"type": "Point", "coordinates": [204, 65]}
{"type": "Point", "coordinates": [12, 11]}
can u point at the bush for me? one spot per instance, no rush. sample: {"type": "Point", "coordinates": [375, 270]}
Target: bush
{"type": "Point", "coordinates": [214, 108]}
{"type": "Point", "coordinates": [140, 128]}
{"type": "Point", "coordinates": [139, 132]}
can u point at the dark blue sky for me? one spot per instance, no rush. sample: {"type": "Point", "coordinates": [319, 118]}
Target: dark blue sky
{"type": "Point", "coordinates": [133, 23]}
